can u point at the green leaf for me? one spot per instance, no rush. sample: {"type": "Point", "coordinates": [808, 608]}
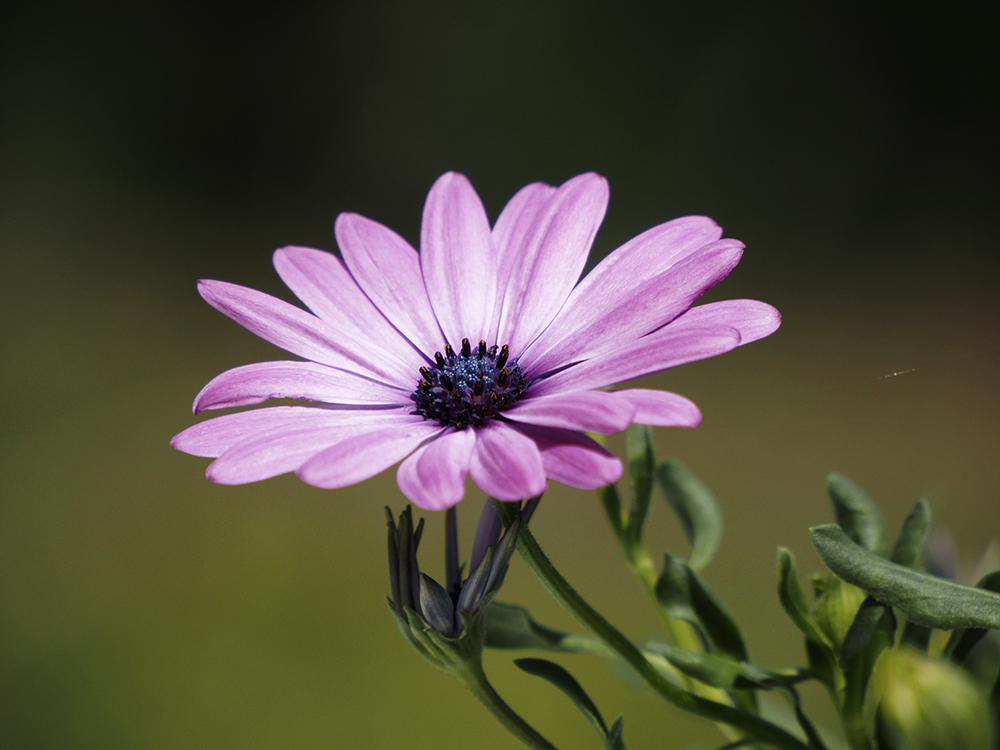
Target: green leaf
{"type": "Point", "coordinates": [509, 626]}
{"type": "Point", "coordinates": [686, 596]}
{"type": "Point", "coordinates": [793, 599]}
{"type": "Point", "coordinates": [616, 740]}
{"type": "Point", "coordinates": [696, 509]}
{"type": "Point", "coordinates": [962, 641]}
{"type": "Point", "coordinates": [910, 541]}
{"type": "Point", "coordinates": [926, 599]}
{"type": "Point", "coordinates": [641, 463]}
{"type": "Point", "coordinates": [726, 674]}
{"type": "Point", "coordinates": [613, 509]}
{"type": "Point", "coordinates": [859, 635]}
{"type": "Point", "coordinates": [857, 514]}
{"type": "Point", "coordinates": [560, 678]}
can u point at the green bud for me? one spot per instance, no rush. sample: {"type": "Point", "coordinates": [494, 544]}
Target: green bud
{"type": "Point", "coordinates": [447, 629]}
{"type": "Point", "coordinates": [928, 704]}
{"type": "Point", "coordinates": [836, 608]}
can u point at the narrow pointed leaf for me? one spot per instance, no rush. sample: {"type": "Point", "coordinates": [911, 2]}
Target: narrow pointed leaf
{"type": "Point", "coordinates": [395, 599]}
{"type": "Point", "coordinates": [962, 641]}
{"type": "Point", "coordinates": [509, 626]}
{"type": "Point", "coordinates": [723, 672]}
{"type": "Point", "coordinates": [558, 676]}
{"type": "Point", "coordinates": [474, 587]}
{"type": "Point", "coordinates": [862, 629]}
{"type": "Point", "coordinates": [613, 509]}
{"type": "Point", "coordinates": [857, 515]}
{"type": "Point", "coordinates": [686, 596]}
{"type": "Point", "coordinates": [615, 739]}
{"type": "Point", "coordinates": [793, 599]}
{"type": "Point", "coordinates": [926, 599]}
{"type": "Point", "coordinates": [641, 466]}
{"type": "Point", "coordinates": [696, 509]}
{"type": "Point", "coordinates": [711, 669]}
{"type": "Point", "coordinates": [910, 541]}
{"type": "Point", "coordinates": [501, 557]}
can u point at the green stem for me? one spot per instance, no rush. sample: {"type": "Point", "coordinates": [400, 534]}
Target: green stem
{"type": "Point", "coordinates": [474, 678]}
{"type": "Point", "coordinates": [561, 591]}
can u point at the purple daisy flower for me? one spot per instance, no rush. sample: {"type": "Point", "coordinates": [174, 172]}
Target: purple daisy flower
{"type": "Point", "coordinates": [480, 355]}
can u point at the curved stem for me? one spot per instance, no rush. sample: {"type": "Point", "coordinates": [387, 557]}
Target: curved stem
{"type": "Point", "coordinates": [559, 588]}
{"type": "Point", "coordinates": [474, 678]}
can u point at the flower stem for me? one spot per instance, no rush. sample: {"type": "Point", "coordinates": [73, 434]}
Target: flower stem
{"type": "Point", "coordinates": [561, 591]}
{"type": "Point", "coordinates": [474, 678]}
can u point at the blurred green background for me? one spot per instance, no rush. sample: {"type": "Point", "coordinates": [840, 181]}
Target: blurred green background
{"type": "Point", "coordinates": [852, 146]}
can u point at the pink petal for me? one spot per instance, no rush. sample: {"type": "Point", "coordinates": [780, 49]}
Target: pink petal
{"type": "Point", "coordinates": [300, 333]}
{"type": "Point", "coordinates": [660, 408]}
{"type": "Point", "coordinates": [506, 464]}
{"type": "Point", "coordinates": [275, 452]}
{"type": "Point", "coordinates": [647, 255]}
{"type": "Point", "coordinates": [387, 268]}
{"type": "Point", "coordinates": [574, 459]}
{"type": "Point", "coordinates": [610, 315]}
{"type": "Point", "coordinates": [588, 411]}
{"type": "Point", "coordinates": [256, 383]}
{"type": "Point", "coordinates": [458, 260]}
{"type": "Point", "coordinates": [321, 281]}
{"type": "Point", "coordinates": [213, 437]}
{"type": "Point", "coordinates": [433, 477]}
{"type": "Point", "coordinates": [363, 455]}
{"type": "Point", "coordinates": [754, 320]}
{"type": "Point", "coordinates": [509, 234]}
{"type": "Point", "coordinates": [551, 259]}
{"type": "Point", "coordinates": [675, 344]}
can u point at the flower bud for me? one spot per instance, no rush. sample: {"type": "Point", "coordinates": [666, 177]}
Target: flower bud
{"type": "Point", "coordinates": [928, 704]}
{"type": "Point", "coordinates": [837, 604]}
{"type": "Point", "coordinates": [445, 627]}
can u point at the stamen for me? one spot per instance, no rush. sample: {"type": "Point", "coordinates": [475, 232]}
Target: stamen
{"type": "Point", "coordinates": [469, 388]}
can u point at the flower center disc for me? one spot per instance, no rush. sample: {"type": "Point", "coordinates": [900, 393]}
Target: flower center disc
{"type": "Point", "coordinates": [469, 387]}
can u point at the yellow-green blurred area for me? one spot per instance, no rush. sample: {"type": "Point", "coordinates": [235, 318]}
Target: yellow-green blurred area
{"type": "Point", "coordinates": [142, 146]}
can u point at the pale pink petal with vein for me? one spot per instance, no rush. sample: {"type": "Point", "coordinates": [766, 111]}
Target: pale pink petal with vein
{"type": "Point", "coordinates": [387, 268]}
{"type": "Point", "coordinates": [669, 347]}
{"type": "Point", "coordinates": [298, 332]}
{"type": "Point", "coordinates": [553, 255]}
{"type": "Point", "coordinates": [573, 458]}
{"type": "Point", "coordinates": [754, 320]}
{"type": "Point", "coordinates": [458, 260]}
{"type": "Point", "coordinates": [660, 408]}
{"type": "Point", "coordinates": [256, 383]}
{"type": "Point", "coordinates": [366, 454]}
{"type": "Point", "coordinates": [509, 234]}
{"type": "Point", "coordinates": [612, 317]}
{"type": "Point", "coordinates": [324, 284]}
{"type": "Point", "coordinates": [215, 436]}
{"type": "Point", "coordinates": [506, 464]}
{"type": "Point", "coordinates": [589, 411]}
{"type": "Point", "coordinates": [433, 477]}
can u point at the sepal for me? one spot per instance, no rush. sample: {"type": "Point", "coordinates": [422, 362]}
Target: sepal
{"type": "Point", "coordinates": [560, 678]}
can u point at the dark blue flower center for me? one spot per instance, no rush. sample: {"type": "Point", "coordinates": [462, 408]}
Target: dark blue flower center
{"type": "Point", "coordinates": [469, 387]}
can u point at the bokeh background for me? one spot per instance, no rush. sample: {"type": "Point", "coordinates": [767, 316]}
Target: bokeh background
{"type": "Point", "coordinates": [852, 146]}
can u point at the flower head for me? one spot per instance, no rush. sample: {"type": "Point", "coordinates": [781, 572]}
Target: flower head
{"type": "Point", "coordinates": [480, 355]}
